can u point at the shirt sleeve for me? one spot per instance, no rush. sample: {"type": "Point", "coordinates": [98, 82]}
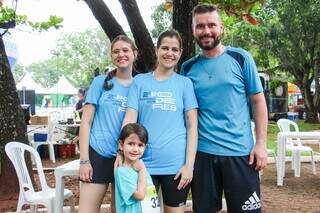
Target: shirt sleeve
{"type": "Point", "coordinates": [251, 76]}
{"type": "Point", "coordinates": [189, 97]}
{"type": "Point", "coordinates": [95, 90]}
{"type": "Point", "coordinates": [133, 96]}
{"type": "Point", "coordinates": [126, 185]}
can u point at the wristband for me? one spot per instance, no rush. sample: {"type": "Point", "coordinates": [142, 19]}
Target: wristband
{"type": "Point", "coordinates": [82, 162]}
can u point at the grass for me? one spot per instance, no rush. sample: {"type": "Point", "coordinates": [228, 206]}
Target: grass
{"type": "Point", "coordinates": [273, 131]}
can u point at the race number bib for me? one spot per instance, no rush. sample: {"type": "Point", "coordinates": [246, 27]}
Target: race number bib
{"type": "Point", "coordinates": [151, 203]}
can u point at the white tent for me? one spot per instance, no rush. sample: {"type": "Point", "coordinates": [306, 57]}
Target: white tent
{"type": "Point", "coordinates": [29, 84]}
{"type": "Point", "coordinates": [63, 86]}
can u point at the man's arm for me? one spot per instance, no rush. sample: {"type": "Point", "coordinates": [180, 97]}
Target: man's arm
{"type": "Point", "coordinates": [259, 153]}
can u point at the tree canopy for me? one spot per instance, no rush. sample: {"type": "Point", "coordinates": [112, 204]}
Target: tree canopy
{"type": "Point", "coordinates": [75, 56]}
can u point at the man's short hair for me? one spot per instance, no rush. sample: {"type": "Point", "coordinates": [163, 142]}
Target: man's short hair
{"type": "Point", "coordinates": [204, 8]}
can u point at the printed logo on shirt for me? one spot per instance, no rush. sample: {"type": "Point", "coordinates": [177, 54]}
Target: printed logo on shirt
{"type": "Point", "coordinates": [118, 100]}
{"type": "Point", "coordinates": [160, 100]}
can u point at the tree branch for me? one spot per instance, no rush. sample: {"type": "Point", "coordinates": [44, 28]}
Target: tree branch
{"type": "Point", "coordinates": [181, 21]}
{"type": "Point", "coordinates": [105, 18]}
{"type": "Point", "coordinates": [146, 58]}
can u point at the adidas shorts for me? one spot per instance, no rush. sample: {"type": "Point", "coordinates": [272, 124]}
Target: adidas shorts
{"type": "Point", "coordinates": [232, 175]}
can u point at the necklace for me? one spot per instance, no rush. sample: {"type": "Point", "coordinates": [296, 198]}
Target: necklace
{"type": "Point", "coordinates": [210, 74]}
{"type": "Point", "coordinates": [219, 52]}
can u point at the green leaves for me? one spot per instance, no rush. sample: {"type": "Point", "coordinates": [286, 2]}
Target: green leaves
{"type": "Point", "coordinates": [76, 56]}
{"type": "Point", "coordinates": [7, 14]}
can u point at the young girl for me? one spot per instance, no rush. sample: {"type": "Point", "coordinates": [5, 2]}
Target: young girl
{"type": "Point", "coordinates": [131, 179]}
{"type": "Point", "coordinates": [164, 102]}
{"type": "Point", "coordinates": [103, 112]}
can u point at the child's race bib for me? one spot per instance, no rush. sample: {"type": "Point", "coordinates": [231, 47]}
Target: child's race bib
{"type": "Point", "coordinates": [151, 203]}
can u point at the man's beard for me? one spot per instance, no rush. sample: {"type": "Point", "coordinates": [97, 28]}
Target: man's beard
{"type": "Point", "coordinates": [216, 41]}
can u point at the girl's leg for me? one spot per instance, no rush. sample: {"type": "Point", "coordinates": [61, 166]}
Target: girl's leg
{"type": "Point", "coordinates": [91, 197]}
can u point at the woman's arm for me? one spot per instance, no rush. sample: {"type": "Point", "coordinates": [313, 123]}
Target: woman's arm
{"type": "Point", "coordinates": [130, 117]}
{"type": "Point", "coordinates": [85, 126]}
{"type": "Point", "coordinates": [186, 171]}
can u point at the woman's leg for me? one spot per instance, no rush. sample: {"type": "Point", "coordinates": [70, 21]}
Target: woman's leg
{"type": "Point", "coordinates": [91, 197]}
{"type": "Point", "coordinates": [113, 202]}
{"type": "Point", "coordinates": [180, 209]}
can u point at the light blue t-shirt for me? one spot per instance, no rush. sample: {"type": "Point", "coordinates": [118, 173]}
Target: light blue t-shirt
{"type": "Point", "coordinates": [126, 183]}
{"type": "Point", "coordinates": [110, 110]}
{"type": "Point", "coordinates": [161, 107]}
{"type": "Point", "coordinates": [223, 86]}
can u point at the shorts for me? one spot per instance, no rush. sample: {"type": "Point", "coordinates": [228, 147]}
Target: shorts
{"type": "Point", "coordinates": [172, 197]}
{"type": "Point", "coordinates": [102, 167]}
{"type": "Point", "coordinates": [229, 174]}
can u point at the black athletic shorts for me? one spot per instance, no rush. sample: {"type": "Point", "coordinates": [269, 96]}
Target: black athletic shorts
{"type": "Point", "coordinates": [229, 174]}
{"type": "Point", "coordinates": [102, 167]}
{"type": "Point", "coordinates": [172, 197]}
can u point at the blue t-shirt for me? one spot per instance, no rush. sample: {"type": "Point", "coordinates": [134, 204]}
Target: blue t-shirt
{"type": "Point", "coordinates": [223, 86]}
{"type": "Point", "coordinates": [110, 110]}
{"type": "Point", "coordinates": [161, 107]}
{"type": "Point", "coordinates": [126, 183]}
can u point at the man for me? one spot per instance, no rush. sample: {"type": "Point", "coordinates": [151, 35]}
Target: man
{"type": "Point", "coordinates": [227, 85]}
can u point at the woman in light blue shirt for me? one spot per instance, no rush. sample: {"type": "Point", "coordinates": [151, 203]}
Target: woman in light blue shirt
{"type": "Point", "coordinates": [103, 113]}
{"type": "Point", "coordinates": [164, 102]}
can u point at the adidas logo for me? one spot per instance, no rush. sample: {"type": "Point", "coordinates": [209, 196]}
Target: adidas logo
{"type": "Point", "coordinates": [252, 203]}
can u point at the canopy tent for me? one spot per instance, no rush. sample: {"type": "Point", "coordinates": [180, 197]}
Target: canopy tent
{"type": "Point", "coordinates": [63, 86]}
{"type": "Point", "coordinates": [293, 89]}
{"type": "Point", "coordinates": [28, 83]}
{"type": "Point", "coordinates": [61, 92]}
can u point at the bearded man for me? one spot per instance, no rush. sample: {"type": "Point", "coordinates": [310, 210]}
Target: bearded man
{"type": "Point", "coordinates": [227, 87]}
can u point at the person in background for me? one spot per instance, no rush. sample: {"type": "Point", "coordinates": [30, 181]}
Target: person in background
{"type": "Point", "coordinates": [164, 102]}
{"type": "Point", "coordinates": [227, 85]}
{"type": "Point", "coordinates": [80, 103]}
{"type": "Point", "coordinates": [103, 113]}
{"type": "Point", "coordinates": [132, 180]}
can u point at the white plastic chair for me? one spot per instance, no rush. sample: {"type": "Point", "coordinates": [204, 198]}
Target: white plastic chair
{"type": "Point", "coordinates": [270, 152]}
{"type": "Point", "coordinates": [55, 116]}
{"type": "Point", "coordinates": [27, 195]}
{"type": "Point", "coordinates": [295, 146]}
{"type": "Point", "coordinates": [50, 142]}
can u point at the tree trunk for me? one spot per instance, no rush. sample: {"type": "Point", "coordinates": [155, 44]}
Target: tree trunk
{"type": "Point", "coordinates": [12, 124]}
{"type": "Point", "coordinates": [146, 58]}
{"type": "Point", "coordinates": [182, 22]}
{"type": "Point", "coordinates": [105, 18]}
{"type": "Point", "coordinates": [312, 116]}
{"type": "Point", "coordinates": [310, 107]}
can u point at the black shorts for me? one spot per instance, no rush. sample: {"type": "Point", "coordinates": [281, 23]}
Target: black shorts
{"type": "Point", "coordinates": [172, 197]}
{"type": "Point", "coordinates": [232, 175]}
{"type": "Point", "coordinates": [102, 167]}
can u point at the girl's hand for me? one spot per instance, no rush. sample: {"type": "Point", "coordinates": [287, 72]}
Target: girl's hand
{"type": "Point", "coordinates": [138, 165]}
{"type": "Point", "coordinates": [118, 162]}
{"type": "Point", "coordinates": [85, 172]}
{"type": "Point", "coordinates": [186, 173]}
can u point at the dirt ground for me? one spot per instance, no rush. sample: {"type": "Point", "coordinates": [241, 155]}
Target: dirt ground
{"type": "Point", "coordinates": [297, 195]}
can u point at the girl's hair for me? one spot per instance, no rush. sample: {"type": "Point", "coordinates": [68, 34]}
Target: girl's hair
{"type": "Point", "coordinates": [134, 128]}
{"type": "Point", "coordinates": [107, 85]}
{"type": "Point", "coordinates": [169, 33]}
